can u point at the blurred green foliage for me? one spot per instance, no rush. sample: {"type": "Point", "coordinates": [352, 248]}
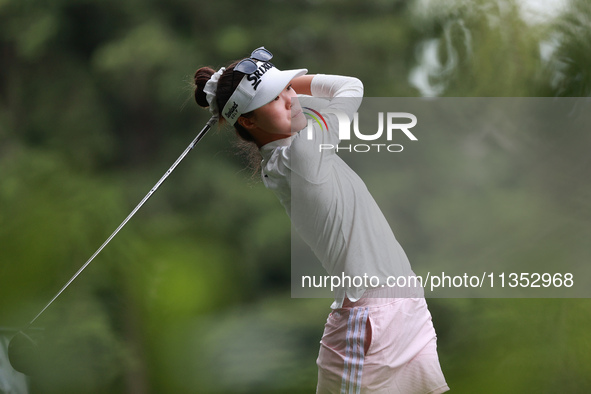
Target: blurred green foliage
{"type": "Point", "coordinates": [193, 295]}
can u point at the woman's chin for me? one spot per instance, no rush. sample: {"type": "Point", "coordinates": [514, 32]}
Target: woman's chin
{"type": "Point", "coordinates": [298, 122]}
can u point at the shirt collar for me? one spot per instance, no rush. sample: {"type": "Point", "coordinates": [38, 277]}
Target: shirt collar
{"type": "Point", "coordinates": [267, 149]}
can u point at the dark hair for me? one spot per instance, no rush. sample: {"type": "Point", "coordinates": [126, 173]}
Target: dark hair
{"type": "Point", "coordinates": [227, 83]}
{"type": "Point", "coordinates": [226, 86]}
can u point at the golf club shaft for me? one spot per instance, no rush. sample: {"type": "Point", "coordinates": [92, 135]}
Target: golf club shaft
{"type": "Point", "coordinates": [205, 129]}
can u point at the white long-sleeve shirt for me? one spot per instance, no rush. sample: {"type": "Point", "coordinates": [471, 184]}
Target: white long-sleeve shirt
{"type": "Point", "coordinates": [328, 203]}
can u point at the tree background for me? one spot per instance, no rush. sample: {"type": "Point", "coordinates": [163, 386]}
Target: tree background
{"type": "Point", "coordinates": [193, 295]}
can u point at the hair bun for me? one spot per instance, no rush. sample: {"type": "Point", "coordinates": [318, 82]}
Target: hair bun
{"type": "Point", "coordinates": [201, 77]}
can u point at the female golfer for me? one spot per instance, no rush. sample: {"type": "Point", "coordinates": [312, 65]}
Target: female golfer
{"type": "Point", "coordinates": [378, 339]}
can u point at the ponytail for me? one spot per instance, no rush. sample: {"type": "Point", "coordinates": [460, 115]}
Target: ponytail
{"type": "Point", "coordinates": [226, 85]}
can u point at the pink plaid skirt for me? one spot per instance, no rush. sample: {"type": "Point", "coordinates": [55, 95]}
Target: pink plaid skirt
{"type": "Point", "coordinates": [380, 346]}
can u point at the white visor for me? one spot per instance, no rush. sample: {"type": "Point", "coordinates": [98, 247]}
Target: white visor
{"type": "Point", "coordinates": [258, 89]}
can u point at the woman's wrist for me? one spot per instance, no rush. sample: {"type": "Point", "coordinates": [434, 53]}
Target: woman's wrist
{"type": "Point", "coordinates": [302, 85]}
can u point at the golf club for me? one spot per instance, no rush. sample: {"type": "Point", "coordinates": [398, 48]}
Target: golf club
{"type": "Point", "coordinates": [22, 345]}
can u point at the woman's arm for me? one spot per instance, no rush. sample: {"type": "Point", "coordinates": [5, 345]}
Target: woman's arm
{"type": "Point", "coordinates": [302, 85]}
{"type": "Point", "coordinates": [331, 94]}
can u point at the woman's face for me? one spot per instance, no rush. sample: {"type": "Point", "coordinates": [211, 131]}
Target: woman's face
{"type": "Point", "coordinates": [280, 118]}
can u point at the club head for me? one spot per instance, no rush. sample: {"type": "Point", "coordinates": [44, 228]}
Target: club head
{"type": "Point", "coordinates": [23, 353]}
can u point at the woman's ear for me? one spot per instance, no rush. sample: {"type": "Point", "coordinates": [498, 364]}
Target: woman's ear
{"type": "Point", "coordinates": [247, 123]}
